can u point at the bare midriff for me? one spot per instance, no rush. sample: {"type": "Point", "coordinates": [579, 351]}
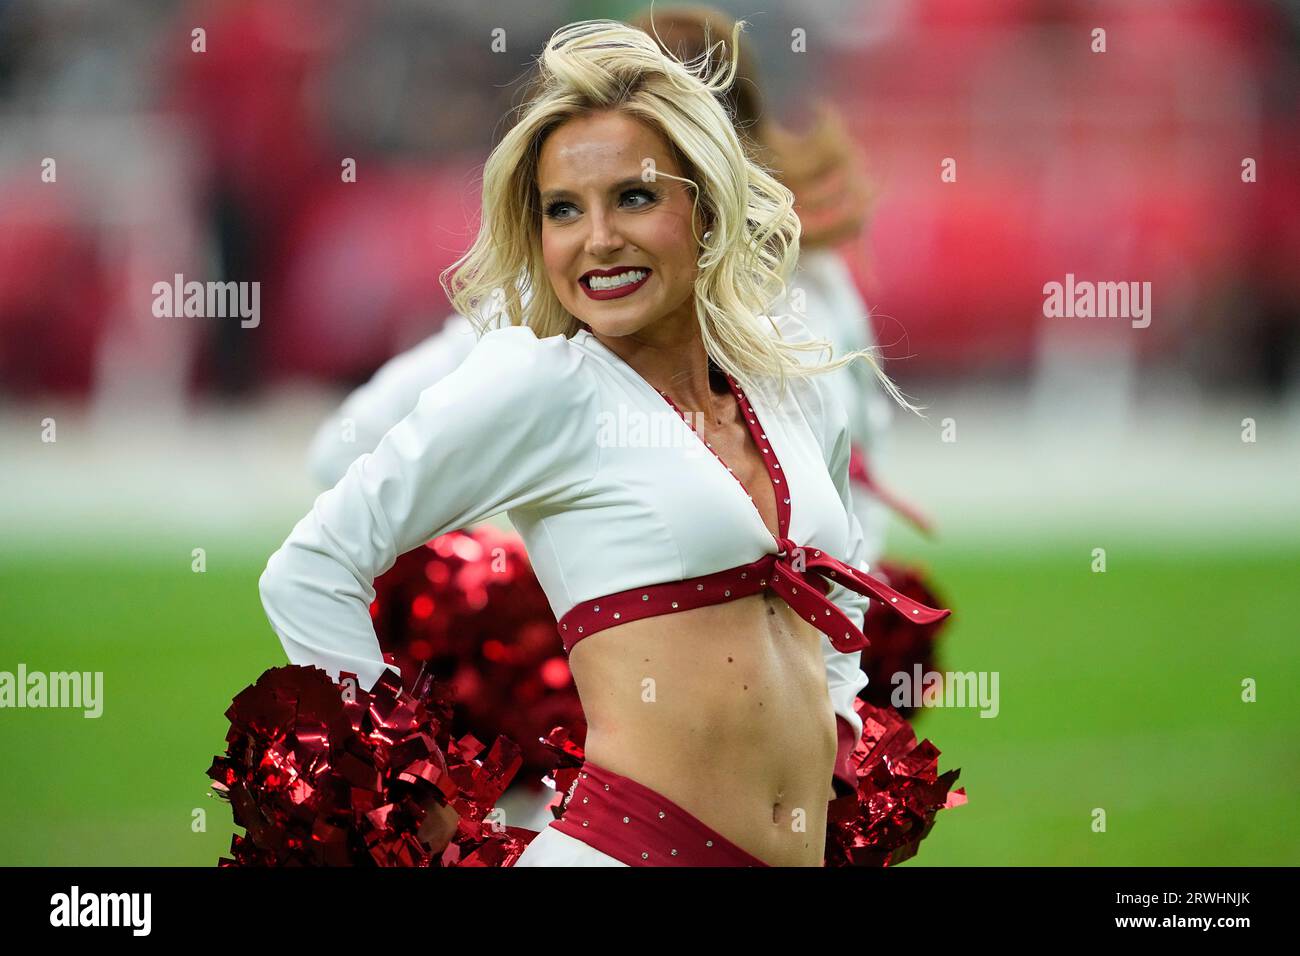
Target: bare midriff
{"type": "Point", "coordinates": [725, 711]}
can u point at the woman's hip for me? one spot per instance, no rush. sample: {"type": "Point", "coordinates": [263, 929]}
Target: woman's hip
{"type": "Point", "coordinates": [611, 820]}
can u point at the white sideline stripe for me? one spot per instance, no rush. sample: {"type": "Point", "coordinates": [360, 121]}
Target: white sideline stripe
{"type": "Point", "coordinates": [240, 477]}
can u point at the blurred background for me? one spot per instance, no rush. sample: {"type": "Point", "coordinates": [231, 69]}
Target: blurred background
{"type": "Point", "coordinates": [1171, 158]}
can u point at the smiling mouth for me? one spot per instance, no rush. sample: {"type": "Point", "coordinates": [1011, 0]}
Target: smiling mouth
{"type": "Point", "coordinates": [629, 277]}
{"type": "Point", "coordinates": [615, 286]}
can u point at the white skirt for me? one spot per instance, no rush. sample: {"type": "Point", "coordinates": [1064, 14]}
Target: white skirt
{"type": "Point", "coordinates": [553, 848]}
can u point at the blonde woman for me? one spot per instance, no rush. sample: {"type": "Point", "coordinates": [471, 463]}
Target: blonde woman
{"type": "Point", "coordinates": [822, 167]}
{"type": "Point", "coordinates": [716, 570]}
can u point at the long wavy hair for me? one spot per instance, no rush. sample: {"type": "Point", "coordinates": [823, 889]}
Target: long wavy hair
{"type": "Point", "coordinates": [753, 248]}
{"type": "Point", "coordinates": [825, 155]}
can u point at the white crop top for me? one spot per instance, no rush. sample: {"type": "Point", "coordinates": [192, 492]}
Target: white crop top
{"type": "Point", "coordinates": [827, 302]}
{"type": "Point", "coordinates": [648, 521]}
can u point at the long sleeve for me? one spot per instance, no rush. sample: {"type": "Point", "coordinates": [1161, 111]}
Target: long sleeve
{"type": "Point", "coordinates": [369, 412]}
{"type": "Point", "coordinates": [510, 428]}
{"type": "Point", "coordinates": [844, 674]}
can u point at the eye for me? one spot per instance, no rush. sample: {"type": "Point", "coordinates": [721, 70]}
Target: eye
{"type": "Point", "coordinates": [553, 208]}
{"type": "Point", "coordinates": [645, 193]}
{"type": "Point", "coordinates": [640, 197]}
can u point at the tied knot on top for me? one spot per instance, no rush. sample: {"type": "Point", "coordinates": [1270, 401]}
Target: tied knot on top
{"type": "Point", "coordinates": [804, 576]}
{"type": "Point", "coordinates": [785, 547]}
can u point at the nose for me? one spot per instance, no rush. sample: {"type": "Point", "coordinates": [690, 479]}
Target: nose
{"type": "Point", "coordinates": [604, 238]}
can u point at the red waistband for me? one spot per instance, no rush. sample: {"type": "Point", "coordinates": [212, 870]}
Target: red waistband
{"type": "Point", "coordinates": [635, 825]}
{"type": "Point", "coordinates": [802, 576]}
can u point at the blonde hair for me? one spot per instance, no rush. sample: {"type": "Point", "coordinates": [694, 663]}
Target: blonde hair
{"type": "Point", "coordinates": [597, 65]}
{"type": "Point", "coordinates": [693, 31]}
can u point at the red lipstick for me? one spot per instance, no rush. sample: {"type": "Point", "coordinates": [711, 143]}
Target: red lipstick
{"type": "Point", "coordinates": [619, 291]}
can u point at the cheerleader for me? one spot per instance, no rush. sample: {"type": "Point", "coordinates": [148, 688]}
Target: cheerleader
{"type": "Point", "coordinates": [724, 585]}
{"type": "Point", "coordinates": [823, 169]}
{"type": "Point", "coordinates": [822, 161]}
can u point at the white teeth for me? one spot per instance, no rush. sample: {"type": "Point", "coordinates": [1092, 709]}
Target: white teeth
{"type": "Point", "coordinates": [614, 282]}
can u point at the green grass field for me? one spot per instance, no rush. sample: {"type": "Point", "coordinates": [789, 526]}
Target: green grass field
{"type": "Point", "coordinates": [1119, 691]}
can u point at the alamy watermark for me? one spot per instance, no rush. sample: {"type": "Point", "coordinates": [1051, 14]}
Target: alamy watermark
{"type": "Point", "coordinates": [1098, 300]}
{"type": "Point", "coordinates": [633, 428]}
{"type": "Point", "coordinates": [947, 689]}
{"type": "Point", "coordinates": [215, 300]}
{"type": "Point", "coordinates": [75, 689]}
{"type": "Point", "coordinates": [102, 909]}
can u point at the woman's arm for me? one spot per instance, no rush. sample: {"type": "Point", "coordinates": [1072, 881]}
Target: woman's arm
{"type": "Point", "coordinates": [512, 427]}
{"type": "Point", "coordinates": [844, 674]}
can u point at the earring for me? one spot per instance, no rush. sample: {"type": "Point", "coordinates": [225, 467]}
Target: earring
{"type": "Point", "coordinates": [708, 234]}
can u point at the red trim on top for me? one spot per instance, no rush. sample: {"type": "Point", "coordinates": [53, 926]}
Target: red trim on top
{"type": "Point", "coordinates": [800, 576]}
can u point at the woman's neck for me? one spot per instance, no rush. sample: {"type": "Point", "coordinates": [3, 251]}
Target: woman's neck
{"type": "Point", "coordinates": [671, 357]}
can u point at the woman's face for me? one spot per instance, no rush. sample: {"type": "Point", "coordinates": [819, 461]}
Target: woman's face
{"type": "Point", "coordinates": [602, 220]}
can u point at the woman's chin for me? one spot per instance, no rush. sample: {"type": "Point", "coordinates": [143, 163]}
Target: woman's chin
{"type": "Point", "coordinates": [615, 326]}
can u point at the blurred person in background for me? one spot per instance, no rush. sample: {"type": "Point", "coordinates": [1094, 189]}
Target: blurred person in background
{"type": "Point", "coordinates": [334, 141]}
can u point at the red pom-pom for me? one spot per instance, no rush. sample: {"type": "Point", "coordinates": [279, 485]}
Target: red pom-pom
{"type": "Point", "coordinates": [566, 760]}
{"type": "Point", "coordinates": [467, 608]}
{"type": "Point", "coordinates": [898, 646]}
{"type": "Point", "coordinates": [899, 792]}
{"type": "Point", "coordinates": [320, 775]}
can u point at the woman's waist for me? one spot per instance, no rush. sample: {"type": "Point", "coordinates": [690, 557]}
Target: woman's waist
{"type": "Point", "coordinates": [736, 673]}
{"type": "Point", "coordinates": [786, 761]}
{"type": "Point", "coordinates": [723, 709]}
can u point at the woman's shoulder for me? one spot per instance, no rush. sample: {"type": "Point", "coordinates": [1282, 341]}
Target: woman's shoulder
{"type": "Point", "coordinates": [516, 363]}
{"type": "Point", "coordinates": [506, 336]}
{"type": "Point", "coordinates": [519, 348]}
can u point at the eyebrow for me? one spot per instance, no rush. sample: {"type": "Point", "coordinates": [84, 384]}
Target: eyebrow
{"type": "Point", "coordinates": [616, 187]}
